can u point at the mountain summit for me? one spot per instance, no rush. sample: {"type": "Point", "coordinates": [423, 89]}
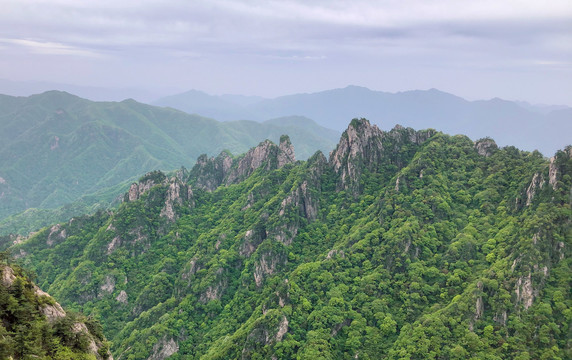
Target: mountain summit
{"type": "Point", "coordinates": [404, 244]}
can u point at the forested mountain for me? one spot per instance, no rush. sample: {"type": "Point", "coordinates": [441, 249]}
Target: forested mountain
{"type": "Point", "coordinates": [510, 123]}
{"type": "Point", "coordinates": [402, 245]}
{"type": "Point", "coordinates": [56, 148]}
{"type": "Point", "coordinates": [34, 325]}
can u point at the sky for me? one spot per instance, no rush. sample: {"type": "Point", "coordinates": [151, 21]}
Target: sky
{"type": "Point", "coordinates": [512, 49]}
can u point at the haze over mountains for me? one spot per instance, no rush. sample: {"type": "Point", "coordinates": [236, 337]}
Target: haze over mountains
{"type": "Point", "coordinates": [61, 150]}
{"type": "Point", "coordinates": [525, 126]}
{"type": "Point", "coordinates": [56, 147]}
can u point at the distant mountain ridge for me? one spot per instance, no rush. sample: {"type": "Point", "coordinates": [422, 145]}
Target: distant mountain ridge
{"type": "Point", "coordinates": [56, 147]}
{"type": "Point", "coordinates": [529, 127]}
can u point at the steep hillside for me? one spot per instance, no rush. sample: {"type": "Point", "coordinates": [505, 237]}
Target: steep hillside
{"type": "Point", "coordinates": [34, 325]}
{"type": "Point", "coordinates": [403, 245]}
{"type": "Point", "coordinates": [56, 147]}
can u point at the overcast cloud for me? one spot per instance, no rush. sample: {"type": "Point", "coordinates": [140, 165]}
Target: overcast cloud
{"type": "Point", "coordinates": [517, 50]}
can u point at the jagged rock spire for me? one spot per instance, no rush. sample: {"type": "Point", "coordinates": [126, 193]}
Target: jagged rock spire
{"type": "Point", "coordinates": [208, 174]}
{"type": "Point", "coordinates": [365, 147]}
{"type": "Point", "coordinates": [360, 146]}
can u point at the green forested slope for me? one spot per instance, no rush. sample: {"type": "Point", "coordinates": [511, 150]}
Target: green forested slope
{"type": "Point", "coordinates": [34, 326]}
{"type": "Point", "coordinates": [402, 245]}
{"type": "Point", "coordinates": [56, 148]}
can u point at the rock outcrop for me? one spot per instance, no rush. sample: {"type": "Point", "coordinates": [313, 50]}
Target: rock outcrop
{"type": "Point", "coordinates": [177, 192]}
{"type": "Point", "coordinates": [302, 202]}
{"type": "Point", "coordinates": [360, 146]}
{"type": "Point", "coordinates": [560, 165]}
{"type": "Point", "coordinates": [266, 155]}
{"type": "Point", "coordinates": [136, 190]}
{"type": "Point", "coordinates": [53, 312]}
{"type": "Point", "coordinates": [163, 349]}
{"type": "Point", "coordinates": [364, 147]}
{"type": "Point", "coordinates": [210, 173]}
{"type": "Point", "coordinates": [486, 146]}
{"type": "Point", "coordinates": [536, 184]}
{"type": "Point", "coordinates": [267, 264]}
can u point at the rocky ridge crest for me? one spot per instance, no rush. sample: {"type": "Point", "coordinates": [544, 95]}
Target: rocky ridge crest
{"type": "Point", "coordinates": [210, 173]}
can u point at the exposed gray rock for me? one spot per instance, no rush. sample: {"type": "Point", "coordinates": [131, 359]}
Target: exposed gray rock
{"type": "Point", "coordinates": [501, 317]}
{"type": "Point", "coordinates": [267, 264]}
{"type": "Point", "coordinates": [524, 291]}
{"type": "Point", "coordinates": [8, 276]}
{"type": "Point", "coordinates": [52, 312]}
{"type": "Point", "coordinates": [553, 173]}
{"type": "Point", "coordinates": [282, 329]}
{"type": "Point", "coordinates": [208, 174]}
{"type": "Point", "coordinates": [361, 144]}
{"type": "Point", "coordinates": [536, 184]}
{"type": "Point", "coordinates": [136, 190]}
{"type": "Point", "coordinates": [266, 155]}
{"type": "Point", "coordinates": [335, 252]}
{"type": "Point", "coordinates": [56, 233]}
{"type": "Point", "coordinates": [215, 291]}
{"type": "Point", "coordinates": [486, 146]}
{"type": "Point", "coordinates": [93, 344]}
{"type": "Point", "coordinates": [365, 147]}
{"type": "Point", "coordinates": [252, 238]}
{"type": "Point", "coordinates": [113, 244]}
{"type": "Point", "coordinates": [479, 307]}
{"type": "Point", "coordinates": [108, 285]}
{"type": "Point", "coordinates": [177, 195]}
{"type": "Point", "coordinates": [286, 154]}
{"type": "Point", "coordinates": [122, 297]}
{"type": "Point", "coordinates": [163, 349]}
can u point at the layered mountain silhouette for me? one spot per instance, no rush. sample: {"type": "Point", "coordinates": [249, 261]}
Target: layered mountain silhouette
{"type": "Point", "coordinates": [510, 123]}
{"type": "Point", "coordinates": [56, 148]}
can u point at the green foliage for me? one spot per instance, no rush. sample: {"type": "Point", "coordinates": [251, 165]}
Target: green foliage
{"type": "Point", "coordinates": [56, 148]}
{"type": "Point", "coordinates": [451, 263]}
{"type": "Point", "coordinates": [26, 333]}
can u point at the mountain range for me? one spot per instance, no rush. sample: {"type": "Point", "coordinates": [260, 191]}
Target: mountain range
{"type": "Point", "coordinates": [57, 148]}
{"type": "Point", "coordinates": [401, 244]}
{"type": "Point", "coordinates": [510, 123]}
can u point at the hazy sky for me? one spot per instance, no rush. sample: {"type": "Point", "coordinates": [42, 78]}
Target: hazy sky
{"type": "Point", "coordinates": [478, 49]}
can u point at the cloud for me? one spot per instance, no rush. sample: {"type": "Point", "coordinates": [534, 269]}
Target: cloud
{"type": "Point", "coordinates": [50, 48]}
{"type": "Point", "coordinates": [204, 37]}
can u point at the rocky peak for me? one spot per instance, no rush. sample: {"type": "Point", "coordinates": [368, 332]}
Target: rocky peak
{"type": "Point", "coordinates": [560, 165]}
{"type": "Point", "coordinates": [360, 145]}
{"type": "Point", "coordinates": [209, 173]}
{"type": "Point", "coordinates": [266, 155]}
{"type": "Point", "coordinates": [365, 147]}
{"type": "Point", "coordinates": [177, 192]}
{"type": "Point", "coordinates": [136, 190]}
{"type": "Point", "coordinates": [486, 146]}
{"type": "Point", "coordinates": [286, 154]}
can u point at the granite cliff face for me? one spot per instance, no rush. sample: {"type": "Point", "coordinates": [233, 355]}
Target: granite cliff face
{"type": "Point", "coordinates": [176, 194]}
{"type": "Point", "coordinates": [210, 173]}
{"type": "Point", "coordinates": [364, 147]}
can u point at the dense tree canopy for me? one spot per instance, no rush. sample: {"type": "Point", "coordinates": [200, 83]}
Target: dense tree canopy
{"type": "Point", "coordinates": [404, 245]}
